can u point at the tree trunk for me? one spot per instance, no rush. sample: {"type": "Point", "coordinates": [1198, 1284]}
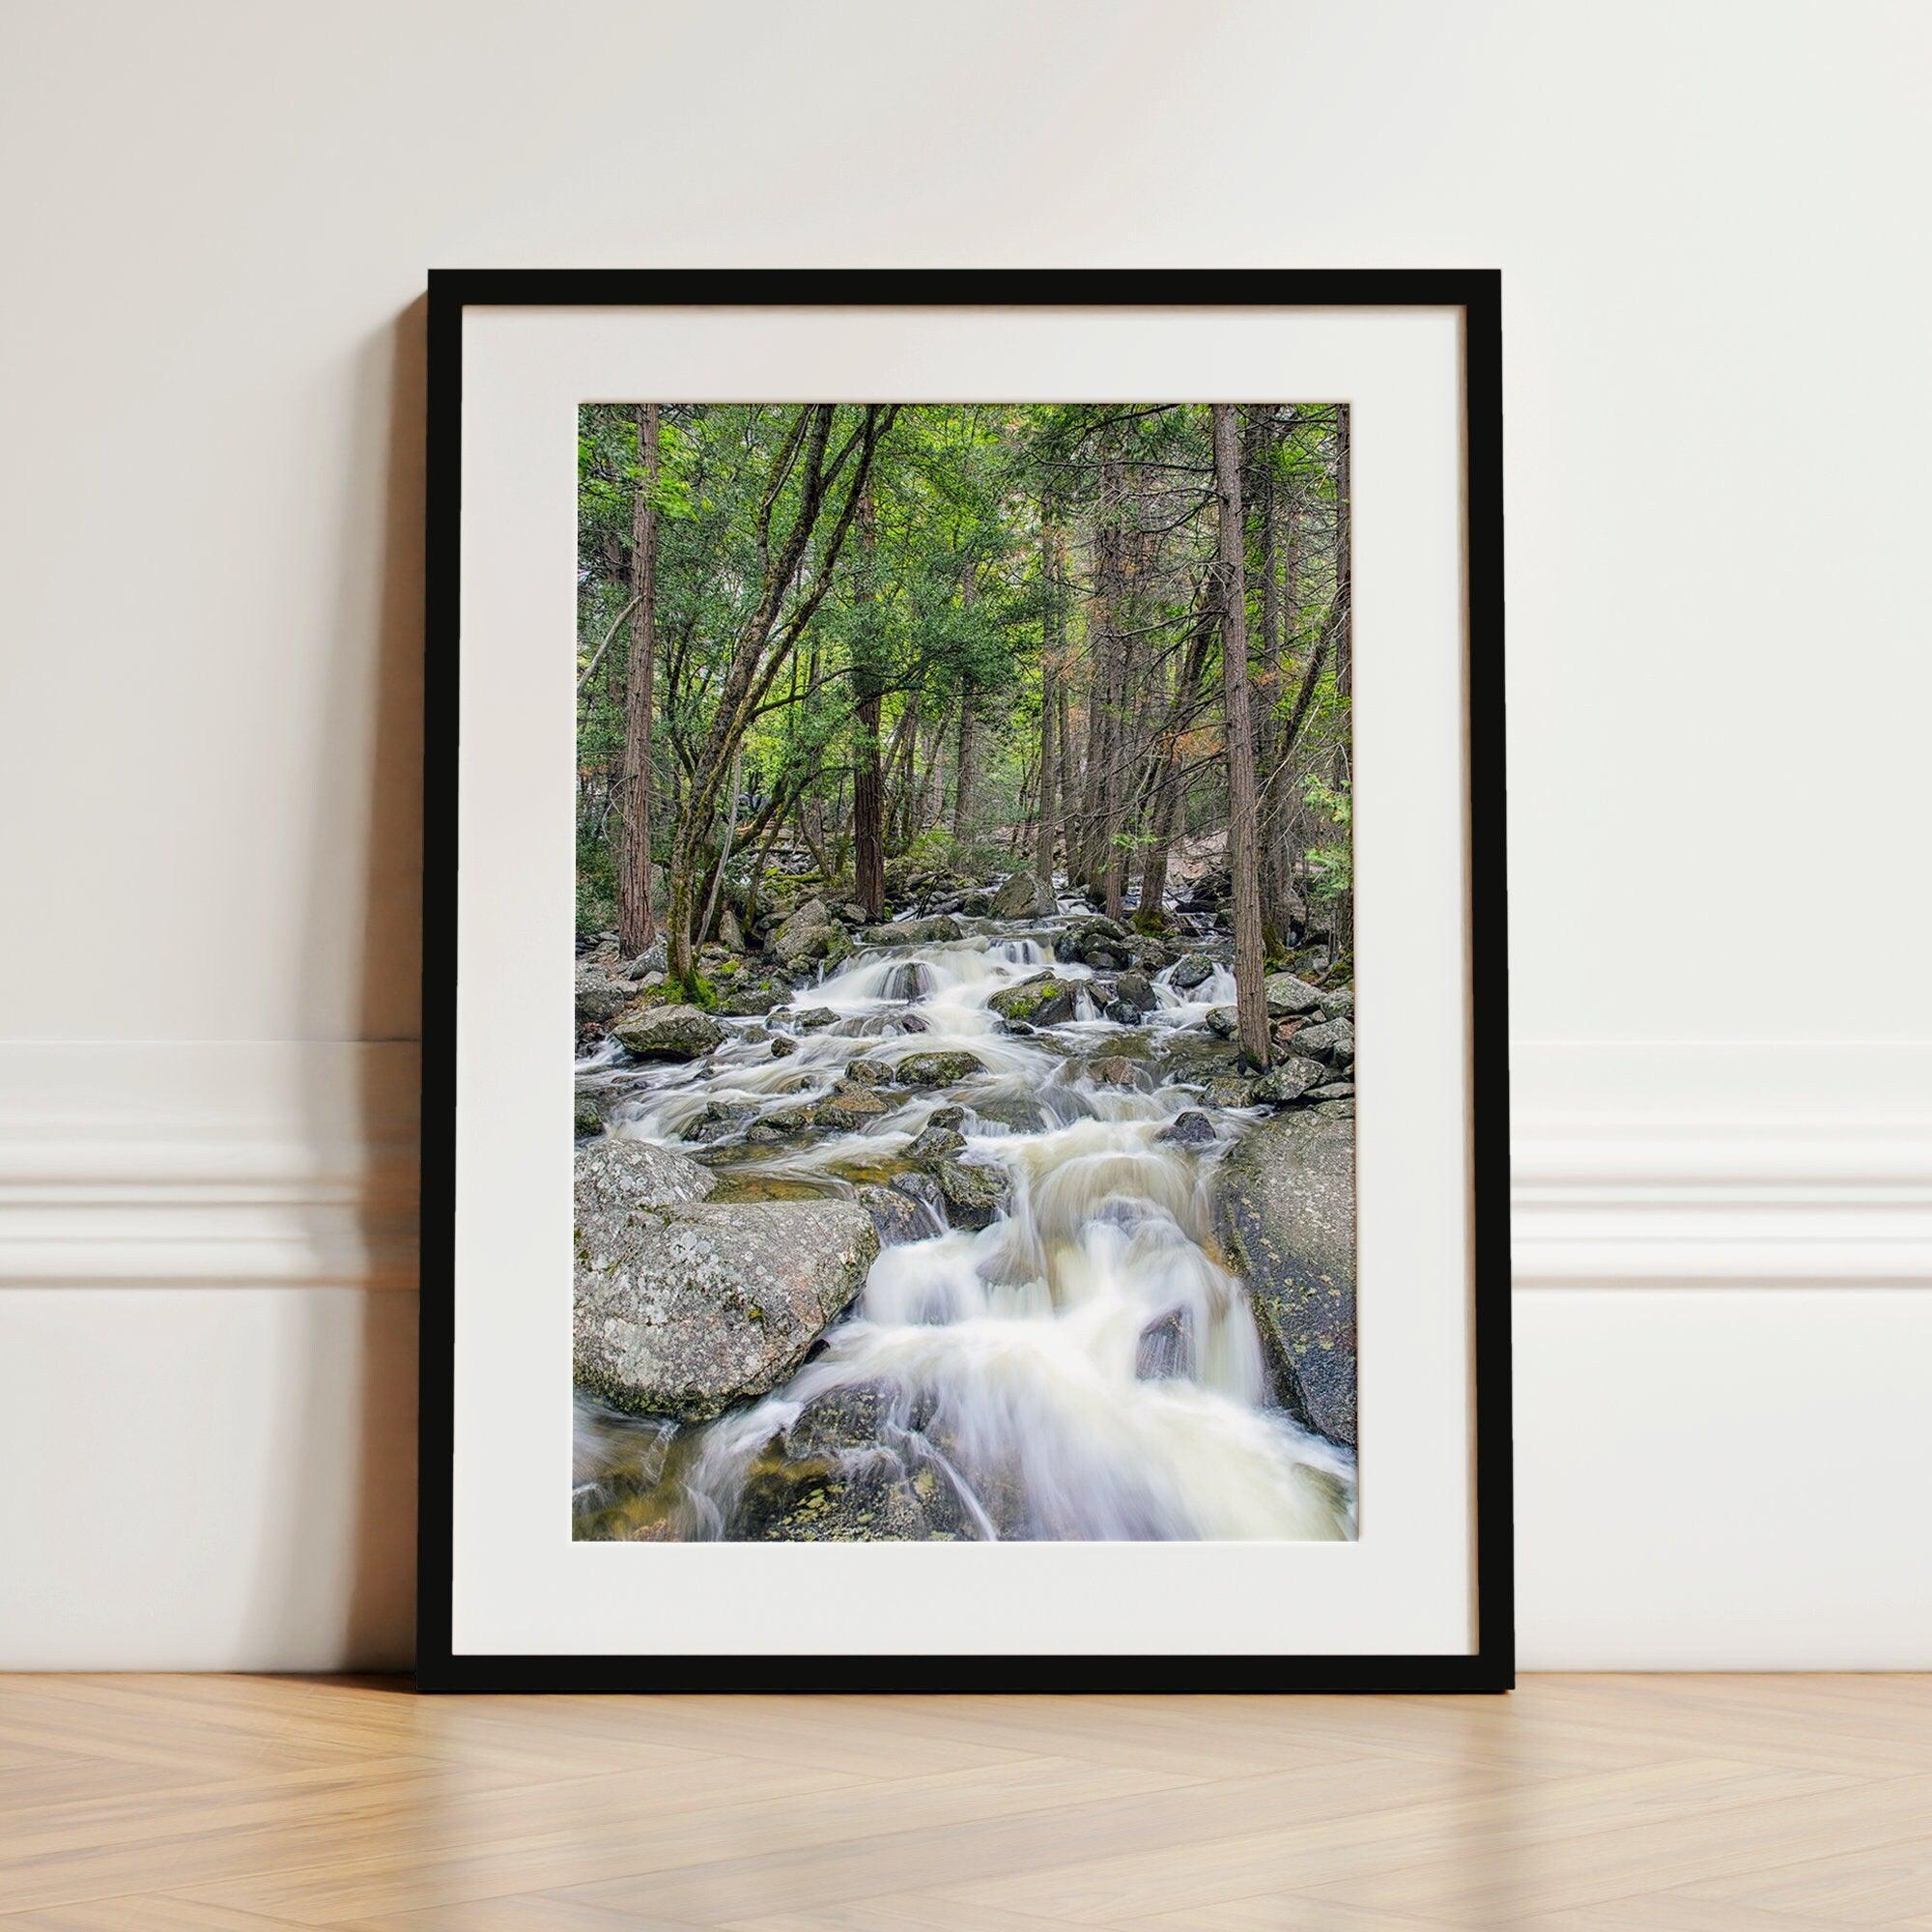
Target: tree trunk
{"type": "Point", "coordinates": [1069, 792]}
{"type": "Point", "coordinates": [723, 851]}
{"type": "Point", "coordinates": [1345, 656]}
{"type": "Point", "coordinates": [1251, 1027]}
{"type": "Point", "coordinates": [1046, 810]}
{"type": "Point", "coordinates": [868, 780]}
{"type": "Point", "coordinates": [962, 783]}
{"type": "Point", "coordinates": [1264, 672]}
{"type": "Point", "coordinates": [637, 926]}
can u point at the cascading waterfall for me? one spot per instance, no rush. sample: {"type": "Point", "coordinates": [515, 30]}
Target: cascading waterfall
{"type": "Point", "coordinates": [1081, 1368]}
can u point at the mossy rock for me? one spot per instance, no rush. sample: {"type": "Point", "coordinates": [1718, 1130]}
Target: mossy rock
{"type": "Point", "coordinates": [1044, 1000]}
{"type": "Point", "coordinates": [937, 1069]}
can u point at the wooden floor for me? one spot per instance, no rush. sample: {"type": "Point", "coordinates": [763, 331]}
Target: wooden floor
{"type": "Point", "coordinates": [1579, 1805]}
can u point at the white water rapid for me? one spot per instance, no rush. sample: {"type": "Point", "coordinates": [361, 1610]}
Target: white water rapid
{"type": "Point", "coordinates": [1083, 1367]}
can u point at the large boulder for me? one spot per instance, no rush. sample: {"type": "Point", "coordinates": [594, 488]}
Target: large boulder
{"type": "Point", "coordinates": [1333, 1040]}
{"type": "Point", "coordinates": [666, 1032]}
{"type": "Point", "coordinates": [1025, 896]}
{"type": "Point", "coordinates": [974, 1194]}
{"type": "Point", "coordinates": [937, 1069]}
{"type": "Point", "coordinates": [1044, 1000]}
{"type": "Point", "coordinates": [600, 998]}
{"type": "Point", "coordinates": [848, 1109]}
{"type": "Point", "coordinates": [914, 933]}
{"type": "Point", "coordinates": [811, 933]}
{"type": "Point", "coordinates": [1288, 1079]}
{"type": "Point", "coordinates": [682, 1311]}
{"type": "Point", "coordinates": [613, 1177]}
{"type": "Point", "coordinates": [1191, 970]}
{"type": "Point", "coordinates": [1288, 995]}
{"type": "Point", "coordinates": [1285, 1208]}
{"type": "Point", "coordinates": [895, 1214]}
{"type": "Point", "coordinates": [1101, 942]}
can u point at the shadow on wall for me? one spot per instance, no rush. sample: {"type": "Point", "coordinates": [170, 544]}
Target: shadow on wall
{"type": "Point", "coordinates": [341, 1566]}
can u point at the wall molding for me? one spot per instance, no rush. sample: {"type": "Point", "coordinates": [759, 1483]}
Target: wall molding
{"type": "Point", "coordinates": [1722, 1164]}
{"type": "Point", "coordinates": [1635, 1164]}
{"type": "Point", "coordinates": [261, 1163]}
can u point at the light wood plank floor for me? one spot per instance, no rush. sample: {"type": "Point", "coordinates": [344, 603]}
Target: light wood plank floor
{"type": "Point", "coordinates": [1579, 1805]}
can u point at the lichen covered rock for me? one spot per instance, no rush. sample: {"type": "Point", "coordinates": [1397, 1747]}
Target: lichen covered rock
{"type": "Point", "coordinates": [666, 1032]}
{"type": "Point", "coordinates": [683, 1311]}
{"type": "Point", "coordinates": [1285, 1208]}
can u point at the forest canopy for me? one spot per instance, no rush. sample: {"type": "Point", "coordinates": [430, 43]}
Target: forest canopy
{"type": "Point", "coordinates": [1108, 642]}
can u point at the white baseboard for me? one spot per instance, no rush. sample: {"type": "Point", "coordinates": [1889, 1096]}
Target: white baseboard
{"type": "Point", "coordinates": [256, 1163]}
{"type": "Point", "coordinates": [1723, 1258]}
{"type": "Point", "coordinates": [1650, 1164]}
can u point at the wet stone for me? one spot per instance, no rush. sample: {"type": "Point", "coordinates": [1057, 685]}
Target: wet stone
{"type": "Point", "coordinates": [1192, 1128]}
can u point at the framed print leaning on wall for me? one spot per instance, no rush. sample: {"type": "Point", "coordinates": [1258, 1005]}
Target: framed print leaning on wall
{"type": "Point", "coordinates": [964, 1059]}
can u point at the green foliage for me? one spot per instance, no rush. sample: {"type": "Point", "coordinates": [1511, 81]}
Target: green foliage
{"type": "Point", "coordinates": [936, 847]}
{"type": "Point", "coordinates": [1331, 863]}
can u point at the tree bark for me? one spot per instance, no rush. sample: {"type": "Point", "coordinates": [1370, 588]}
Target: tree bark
{"type": "Point", "coordinates": [868, 781]}
{"type": "Point", "coordinates": [636, 925]}
{"type": "Point", "coordinates": [1046, 808]}
{"type": "Point", "coordinates": [1251, 1027]}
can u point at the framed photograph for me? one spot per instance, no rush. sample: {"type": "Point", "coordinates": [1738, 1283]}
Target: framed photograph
{"type": "Point", "coordinates": [965, 1085]}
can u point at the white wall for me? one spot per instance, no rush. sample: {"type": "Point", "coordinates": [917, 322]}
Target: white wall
{"type": "Point", "coordinates": [217, 218]}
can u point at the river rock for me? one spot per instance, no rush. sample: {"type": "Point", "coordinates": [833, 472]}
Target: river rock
{"type": "Point", "coordinates": [1096, 940]}
{"type": "Point", "coordinates": [730, 934]}
{"type": "Point", "coordinates": [1165, 1350]}
{"type": "Point", "coordinates": [872, 1073]}
{"type": "Point", "coordinates": [936, 1143]}
{"type": "Point", "coordinates": [1288, 995]}
{"type": "Point", "coordinates": [590, 1117]}
{"type": "Point", "coordinates": [654, 959]}
{"type": "Point", "coordinates": [1025, 896]}
{"type": "Point", "coordinates": [1192, 1128]}
{"type": "Point", "coordinates": [849, 1109]}
{"type": "Point", "coordinates": [914, 933]}
{"type": "Point", "coordinates": [809, 933]}
{"type": "Point", "coordinates": [1221, 1022]}
{"type": "Point", "coordinates": [1337, 1003]}
{"type": "Point", "coordinates": [666, 1032]}
{"type": "Point", "coordinates": [1114, 1070]}
{"type": "Point", "coordinates": [783, 1045]}
{"type": "Point", "coordinates": [613, 1177]}
{"type": "Point", "coordinates": [1285, 1207]}
{"type": "Point", "coordinates": [719, 1122]}
{"type": "Point", "coordinates": [1136, 990]}
{"type": "Point", "coordinates": [1229, 1090]}
{"type": "Point", "coordinates": [1336, 1090]}
{"type": "Point", "coordinates": [814, 1017]}
{"type": "Point", "coordinates": [1009, 1111]}
{"type": "Point", "coordinates": [1288, 1080]}
{"type": "Point", "coordinates": [682, 1312]}
{"type": "Point", "coordinates": [1333, 1040]}
{"type": "Point", "coordinates": [1191, 970]}
{"type": "Point", "coordinates": [600, 998]}
{"type": "Point", "coordinates": [937, 1069]}
{"type": "Point", "coordinates": [926, 1191]}
{"type": "Point", "coordinates": [896, 1215]}
{"type": "Point", "coordinates": [1044, 1000]}
{"type": "Point", "coordinates": [753, 1002]}
{"type": "Point", "coordinates": [974, 1195]}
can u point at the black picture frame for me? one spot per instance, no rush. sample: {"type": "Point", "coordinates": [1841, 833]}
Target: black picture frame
{"type": "Point", "coordinates": [1478, 294]}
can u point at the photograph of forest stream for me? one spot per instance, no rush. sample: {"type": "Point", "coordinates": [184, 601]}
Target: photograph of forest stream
{"type": "Point", "coordinates": [964, 1049]}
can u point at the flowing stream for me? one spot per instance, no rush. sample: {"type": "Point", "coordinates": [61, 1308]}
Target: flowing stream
{"type": "Point", "coordinates": [1081, 1368]}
